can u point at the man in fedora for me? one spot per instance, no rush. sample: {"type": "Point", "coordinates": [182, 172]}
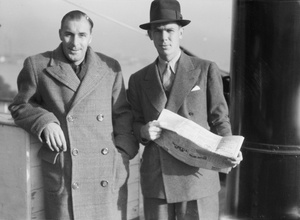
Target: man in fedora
{"type": "Point", "coordinates": [192, 88]}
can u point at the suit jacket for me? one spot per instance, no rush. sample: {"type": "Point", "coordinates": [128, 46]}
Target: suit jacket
{"type": "Point", "coordinates": [94, 114]}
{"type": "Point", "coordinates": [163, 176]}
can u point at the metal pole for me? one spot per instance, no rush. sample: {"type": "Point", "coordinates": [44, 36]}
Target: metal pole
{"type": "Point", "coordinates": [265, 109]}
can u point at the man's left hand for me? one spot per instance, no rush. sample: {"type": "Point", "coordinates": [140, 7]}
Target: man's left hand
{"type": "Point", "coordinates": [236, 161]}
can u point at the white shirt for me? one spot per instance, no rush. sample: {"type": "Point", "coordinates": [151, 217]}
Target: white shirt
{"type": "Point", "coordinates": [161, 64]}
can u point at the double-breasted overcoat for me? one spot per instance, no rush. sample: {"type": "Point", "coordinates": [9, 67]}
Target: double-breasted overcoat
{"type": "Point", "coordinates": [163, 176]}
{"type": "Point", "coordinates": [85, 181]}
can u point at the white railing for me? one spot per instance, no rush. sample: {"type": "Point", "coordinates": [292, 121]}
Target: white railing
{"type": "Point", "coordinates": [21, 187]}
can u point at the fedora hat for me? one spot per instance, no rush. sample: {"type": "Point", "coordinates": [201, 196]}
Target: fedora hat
{"type": "Point", "coordinates": [164, 11]}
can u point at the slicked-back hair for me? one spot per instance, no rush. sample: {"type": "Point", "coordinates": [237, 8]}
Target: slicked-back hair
{"type": "Point", "coordinates": [76, 15]}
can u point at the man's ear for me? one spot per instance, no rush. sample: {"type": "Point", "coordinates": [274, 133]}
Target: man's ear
{"type": "Point", "coordinates": [91, 38]}
{"type": "Point", "coordinates": [59, 33]}
{"type": "Point", "coordinates": [150, 34]}
{"type": "Point", "coordinates": [180, 32]}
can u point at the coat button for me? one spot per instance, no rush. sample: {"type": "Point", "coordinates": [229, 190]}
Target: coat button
{"type": "Point", "coordinates": [75, 152]}
{"type": "Point", "coordinates": [104, 151]}
{"type": "Point", "coordinates": [75, 185]}
{"type": "Point", "coordinates": [104, 183]}
{"type": "Point", "coordinates": [100, 117]}
{"type": "Point", "coordinates": [70, 118]}
{"type": "Point", "coordinates": [191, 113]}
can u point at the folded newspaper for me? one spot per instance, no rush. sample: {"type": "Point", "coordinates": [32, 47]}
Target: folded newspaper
{"type": "Point", "coordinates": [195, 145]}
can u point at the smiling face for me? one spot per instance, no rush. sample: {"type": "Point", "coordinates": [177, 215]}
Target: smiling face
{"type": "Point", "coordinates": [76, 36]}
{"type": "Point", "coordinates": [166, 39]}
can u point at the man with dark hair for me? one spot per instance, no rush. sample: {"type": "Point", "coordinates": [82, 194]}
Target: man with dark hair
{"type": "Point", "coordinates": [73, 15]}
{"type": "Point", "coordinates": [74, 101]}
{"type": "Point", "coordinates": [192, 88]}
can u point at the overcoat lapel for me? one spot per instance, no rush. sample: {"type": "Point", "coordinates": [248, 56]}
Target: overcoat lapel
{"type": "Point", "coordinates": [153, 88]}
{"type": "Point", "coordinates": [60, 69]}
{"type": "Point", "coordinates": [185, 79]}
{"type": "Point", "coordinates": [93, 76]}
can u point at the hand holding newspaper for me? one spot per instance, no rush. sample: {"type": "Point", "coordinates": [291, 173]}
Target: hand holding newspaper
{"type": "Point", "coordinates": [195, 145]}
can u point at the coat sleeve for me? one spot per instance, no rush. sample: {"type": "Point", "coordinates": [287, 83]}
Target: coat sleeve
{"type": "Point", "coordinates": [134, 100]}
{"type": "Point", "coordinates": [122, 119]}
{"type": "Point", "coordinates": [217, 107]}
{"type": "Point", "coordinates": [26, 108]}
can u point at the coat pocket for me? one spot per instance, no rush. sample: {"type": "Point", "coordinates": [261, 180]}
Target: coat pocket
{"type": "Point", "coordinates": [52, 170]}
{"type": "Point", "coordinates": [48, 155]}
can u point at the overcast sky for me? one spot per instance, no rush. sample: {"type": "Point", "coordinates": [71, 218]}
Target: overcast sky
{"type": "Point", "coordinates": [31, 26]}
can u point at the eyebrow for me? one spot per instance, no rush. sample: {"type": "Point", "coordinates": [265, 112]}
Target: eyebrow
{"type": "Point", "coordinates": [161, 28]}
{"type": "Point", "coordinates": [70, 32]}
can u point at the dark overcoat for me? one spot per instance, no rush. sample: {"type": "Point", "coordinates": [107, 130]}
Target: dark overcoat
{"type": "Point", "coordinates": [84, 182]}
{"type": "Point", "coordinates": [163, 176]}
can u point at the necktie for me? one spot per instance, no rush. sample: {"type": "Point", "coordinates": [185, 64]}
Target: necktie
{"type": "Point", "coordinates": [78, 70]}
{"type": "Point", "coordinates": [167, 77]}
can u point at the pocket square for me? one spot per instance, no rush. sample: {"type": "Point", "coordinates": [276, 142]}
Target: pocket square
{"type": "Point", "coordinates": [196, 88]}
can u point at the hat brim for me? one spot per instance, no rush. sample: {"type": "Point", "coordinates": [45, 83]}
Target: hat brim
{"type": "Point", "coordinates": [147, 26]}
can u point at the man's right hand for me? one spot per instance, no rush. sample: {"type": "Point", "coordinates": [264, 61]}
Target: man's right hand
{"type": "Point", "coordinates": [151, 130]}
{"type": "Point", "coordinates": [54, 137]}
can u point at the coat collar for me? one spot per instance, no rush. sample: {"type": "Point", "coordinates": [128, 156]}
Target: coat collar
{"type": "Point", "coordinates": [61, 70]}
{"type": "Point", "coordinates": [153, 88]}
{"type": "Point", "coordinates": [185, 78]}
{"type": "Point", "coordinates": [96, 70]}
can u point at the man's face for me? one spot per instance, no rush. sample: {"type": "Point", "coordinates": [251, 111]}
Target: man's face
{"type": "Point", "coordinates": [166, 39]}
{"type": "Point", "coordinates": [75, 35]}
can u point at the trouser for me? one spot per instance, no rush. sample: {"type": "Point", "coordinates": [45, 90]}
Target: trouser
{"type": "Point", "coordinates": [202, 209]}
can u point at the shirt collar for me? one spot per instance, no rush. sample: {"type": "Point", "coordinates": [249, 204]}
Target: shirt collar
{"type": "Point", "coordinates": [173, 63]}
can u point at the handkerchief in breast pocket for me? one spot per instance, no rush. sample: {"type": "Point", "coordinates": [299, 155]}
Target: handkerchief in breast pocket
{"type": "Point", "coordinates": [196, 88]}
